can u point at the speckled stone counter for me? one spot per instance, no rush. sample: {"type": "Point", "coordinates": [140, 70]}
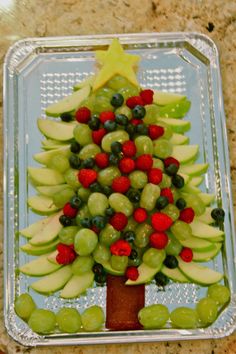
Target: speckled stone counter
{"type": "Point", "coordinates": [39, 18]}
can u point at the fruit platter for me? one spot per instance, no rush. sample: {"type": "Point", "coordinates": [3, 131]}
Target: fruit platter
{"type": "Point", "coordinates": [118, 208]}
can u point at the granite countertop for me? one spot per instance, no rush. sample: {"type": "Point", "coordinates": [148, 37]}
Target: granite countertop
{"type": "Point", "coordinates": [39, 18]}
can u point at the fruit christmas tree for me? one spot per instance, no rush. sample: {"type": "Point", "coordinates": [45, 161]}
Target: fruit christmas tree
{"type": "Point", "coordinates": [119, 190]}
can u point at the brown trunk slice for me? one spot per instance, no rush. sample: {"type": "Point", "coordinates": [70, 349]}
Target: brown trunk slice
{"type": "Point", "coordinates": [123, 304]}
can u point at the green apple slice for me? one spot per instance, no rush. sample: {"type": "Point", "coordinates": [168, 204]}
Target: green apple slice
{"type": "Point", "coordinates": [53, 282]}
{"type": "Point", "coordinates": [39, 250]}
{"type": "Point", "coordinates": [56, 130]}
{"type": "Point", "coordinates": [45, 157]}
{"type": "Point", "coordinates": [190, 189]}
{"type": "Point", "coordinates": [207, 198]}
{"type": "Point", "coordinates": [195, 181]}
{"type": "Point", "coordinates": [162, 98]}
{"type": "Point", "coordinates": [177, 125]}
{"type": "Point", "coordinates": [194, 169]}
{"type": "Point", "coordinates": [206, 217]}
{"type": "Point", "coordinates": [45, 176]}
{"type": "Point", "coordinates": [185, 153]}
{"type": "Point", "coordinates": [41, 204]}
{"type": "Point", "coordinates": [49, 191]}
{"type": "Point", "coordinates": [174, 274]}
{"type": "Point", "coordinates": [69, 103]}
{"type": "Point", "coordinates": [39, 266]}
{"type": "Point", "coordinates": [77, 285]}
{"type": "Point", "coordinates": [197, 244]}
{"type": "Point", "coordinates": [207, 256]}
{"type": "Point", "coordinates": [179, 139]}
{"type": "Point", "coordinates": [146, 274]}
{"type": "Point", "coordinates": [198, 273]}
{"type": "Point", "coordinates": [52, 257]}
{"type": "Point", "coordinates": [88, 81]}
{"type": "Point", "coordinates": [175, 110]}
{"type": "Point", "coordinates": [50, 144]}
{"type": "Point", "coordinates": [202, 230]}
{"type": "Point", "coordinates": [32, 229]}
{"type": "Point", "coordinates": [49, 232]}
{"type": "Point", "coordinates": [108, 268]}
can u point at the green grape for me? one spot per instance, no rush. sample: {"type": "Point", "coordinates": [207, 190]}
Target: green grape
{"type": "Point", "coordinates": [82, 213]}
{"type": "Point", "coordinates": [184, 317]}
{"type": "Point", "coordinates": [106, 176]}
{"type": "Point", "coordinates": [108, 235]}
{"type": "Point", "coordinates": [153, 316]}
{"type": "Point", "coordinates": [157, 163]}
{"type": "Point", "coordinates": [150, 194]}
{"type": "Point", "coordinates": [84, 193]}
{"type": "Point", "coordinates": [101, 104]}
{"type": "Point", "coordinates": [207, 310]}
{"type": "Point", "coordinates": [42, 321]}
{"type": "Point", "coordinates": [154, 257]}
{"type": "Point", "coordinates": [90, 150]}
{"type": "Point", "coordinates": [181, 230]}
{"type": "Point", "coordinates": [138, 179]}
{"type": "Point", "coordinates": [166, 181]}
{"type": "Point", "coordinates": [24, 306]}
{"type": "Point", "coordinates": [68, 320]}
{"type": "Point", "coordinates": [142, 233]}
{"type": "Point", "coordinates": [71, 177]}
{"type": "Point", "coordinates": [63, 197]}
{"type": "Point", "coordinates": [128, 91]}
{"type": "Point", "coordinates": [120, 203]}
{"type": "Point", "coordinates": [83, 134]}
{"type": "Point", "coordinates": [172, 211]}
{"type": "Point", "coordinates": [152, 114]}
{"type": "Point", "coordinates": [162, 148]}
{"type": "Point", "coordinates": [105, 92]}
{"type": "Point", "coordinates": [85, 242]}
{"type": "Point", "coordinates": [101, 253]}
{"type": "Point", "coordinates": [124, 110]}
{"type": "Point", "coordinates": [117, 82]}
{"type": "Point", "coordinates": [119, 135]}
{"type": "Point", "coordinates": [174, 247]}
{"type": "Point", "coordinates": [131, 224]}
{"type": "Point", "coordinates": [219, 293]}
{"type": "Point", "coordinates": [119, 262]}
{"type": "Point", "coordinates": [194, 202]}
{"type": "Point", "coordinates": [82, 264]}
{"type": "Point", "coordinates": [59, 163]}
{"type": "Point", "coordinates": [92, 318]}
{"type": "Point", "coordinates": [144, 145]}
{"type": "Point", "coordinates": [97, 204]}
{"type": "Point", "coordinates": [67, 234]}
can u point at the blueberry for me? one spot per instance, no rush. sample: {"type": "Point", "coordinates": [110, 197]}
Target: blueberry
{"type": "Point", "coordinates": [218, 214]}
{"type": "Point", "coordinates": [107, 190]}
{"type": "Point", "coordinates": [116, 147]}
{"type": "Point", "coordinates": [117, 100]}
{"type": "Point", "coordinates": [100, 279]}
{"type": "Point", "coordinates": [94, 123]}
{"type": "Point", "coordinates": [121, 119]}
{"type": "Point", "coordinates": [76, 202]}
{"type": "Point", "coordinates": [88, 163]}
{"type": "Point", "coordinates": [110, 125]}
{"type": "Point", "coordinates": [178, 181]}
{"type": "Point", "coordinates": [171, 262]}
{"type": "Point", "coordinates": [141, 129]}
{"type": "Point", "coordinates": [134, 195]}
{"type": "Point", "coordinates": [172, 169]}
{"type": "Point", "coordinates": [133, 255]}
{"type": "Point", "coordinates": [66, 117]}
{"type": "Point", "coordinates": [161, 279]}
{"type": "Point", "coordinates": [74, 161]}
{"type": "Point", "coordinates": [129, 236]}
{"type": "Point", "coordinates": [74, 147]}
{"type": "Point", "coordinates": [65, 220]}
{"type": "Point", "coordinates": [113, 159]}
{"type": "Point", "coordinates": [138, 112]}
{"type": "Point", "coordinates": [99, 221]}
{"type": "Point", "coordinates": [98, 268]}
{"type": "Point", "coordinates": [86, 222]}
{"type": "Point", "coordinates": [109, 211]}
{"type": "Point", "coordinates": [162, 202]}
{"type": "Point", "coordinates": [95, 187]}
{"type": "Point", "coordinates": [181, 203]}
{"type": "Point", "coordinates": [130, 128]}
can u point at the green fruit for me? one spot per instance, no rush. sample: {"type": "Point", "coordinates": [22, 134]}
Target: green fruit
{"type": "Point", "coordinates": [153, 316]}
{"type": "Point", "coordinates": [42, 321]}
{"type": "Point", "coordinates": [24, 306]}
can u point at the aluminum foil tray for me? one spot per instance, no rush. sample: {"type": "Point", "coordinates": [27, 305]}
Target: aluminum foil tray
{"type": "Point", "coordinates": [38, 72]}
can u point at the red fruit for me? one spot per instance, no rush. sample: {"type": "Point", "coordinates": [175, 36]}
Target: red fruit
{"type": "Point", "coordinates": [120, 248]}
{"type": "Point", "coordinates": [134, 101]}
{"type": "Point", "coordinates": [69, 211]}
{"type": "Point", "coordinates": [171, 160]}
{"type": "Point", "coordinates": [158, 240]}
{"type": "Point", "coordinates": [140, 215]}
{"type": "Point", "coordinates": [187, 215]}
{"type": "Point", "coordinates": [97, 135]}
{"type": "Point", "coordinates": [120, 184]}
{"type": "Point", "coordinates": [87, 176]}
{"type": "Point", "coordinates": [126, 165]}
{"type": "Point", "coordinates": [155, 175]}
{"type": "Point", "coordinates": [186, 254]}
{"type": "Point", "coordinates": [102, 160]}
{"type": "Point", "coordinates": [95, 229]}
{"type": "Point", "coordinates": [132, 273]}
{"type": "Point", "coordinates": [107, 115]}
{"type": "Point", "coordinates": [161, 222]}
{"type": "Point", "coordinates": [83, 115]}
{"type": "Point", "coordinates": [129, 148]}
{"type": "Point", "coordinates": [136, 121]}
{"type": "Point", "coordinates": [66, 254]}
{"type": "Point", "coordinates": [166, 192]}
{"type": "Point", "coordinates": [144, 162]}
{"type": "Point", "coordinates": [155, 131]}
{"type": "Point", "coordinates": [147, 96]}
{"type": "Point", "coordinates": [119, 221]}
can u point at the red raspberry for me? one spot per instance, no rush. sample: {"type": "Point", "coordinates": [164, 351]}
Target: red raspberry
{"type": "Point", "coordinates": [132, 273]}
{"type": "Point", "coordinates": [97, 135]}
{"type": "Point", "coordinates": [120, 248]}
{"type": "Point", "coordinates": [147, 96]}
{"type": "Point", "coordinates": [61, 247]}
{"type": "Point", "coordinates": [171, 160]}
{"type": "Point", "coordinates": [66, 254]}
{"type": "Point", "coordinates": [166, 192]}
{"type": "Point", "coordinates": [158, 240]}
{"type": "Point", "coordinates": [107, 115]}
{"type": "Point", "coordinates": [155, 175]}
{"type": "Point", "coordinates": [134, 101]}
{"type": "Point", "coordinates": [129, 148]}
{"type": "Point", "coordinates": [186, 254]}
{"type": "Point", "coordinates": [83, 115]}
{"type": "Point", "coordinates": [119, 221]}
{"type": "Point", "coordinates": [161, 222]}
{"type": "Point", "coordinates": [87, 176]}
{"type": "Point", "coordinates": [187, 215]}
{"type": "Point", "coordinates": [120, 184]}
{"type": "Point", "coordinates": [155, 131]}
{"type": "Point", "coordinates": [140, 215]}
{"type": "Point", "coordinates": [102, 160]}
{"type": "Point", "coordinates": [69, 211]}
{"type": "Point", "coordinates": [136, 121]}
{"type": "Point", "coordinates": [126, 165]}
{"type": "Point", "coordinates": [144, 162]}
